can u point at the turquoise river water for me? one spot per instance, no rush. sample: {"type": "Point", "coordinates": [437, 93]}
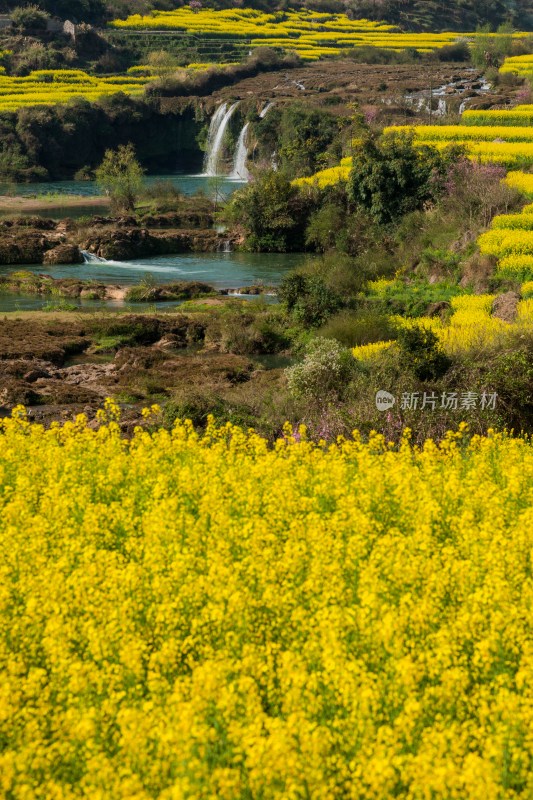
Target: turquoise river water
{"type": "Point", "coordinates": [222, 270]}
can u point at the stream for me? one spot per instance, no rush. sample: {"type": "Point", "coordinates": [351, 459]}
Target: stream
{"type": "Point", "coordinates": [221, 270]}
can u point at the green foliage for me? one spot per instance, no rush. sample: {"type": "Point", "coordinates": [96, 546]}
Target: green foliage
{"type": "Point", "coordinates": [272, 212]}
{"type": "Point", "coordinates": [364, 326]}
{"type": "Point", "coordinates": [327, 369]}
{"type": "Point", "coordinates": [454, 15]}
{"type": "Point", "coordinates": [510, 375]}
{"type": "Point", "coordinates": [29, 18]}
{"type": "Point", "coordinates": [121, 177]}
{"type": "Point", "coordinates": [489, 50]}
{"type": "Point", "coordinates": [305, 136]}
{"type": "Point", "coordinates": [421, 353]}
{"type": "Point", "coordinates": [14, 165]}
{"type": "Point", "coordinates": [391, 176]}
{"type": "Point", "coordinates": [309, 299]}
{"type": "Point", "coordinates": [460, 51]}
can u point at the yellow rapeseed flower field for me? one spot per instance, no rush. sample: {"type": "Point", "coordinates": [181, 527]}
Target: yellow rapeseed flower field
{"type": "Point", "coordinates": [50, 87]}
{"type": "Point", "coordinates": [210, 618]}
{"type": "Point", "coordinates": [312, 34]}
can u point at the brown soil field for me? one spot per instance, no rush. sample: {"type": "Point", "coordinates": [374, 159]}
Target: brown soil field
{"type": "Point", "coordinates": [337, 84]}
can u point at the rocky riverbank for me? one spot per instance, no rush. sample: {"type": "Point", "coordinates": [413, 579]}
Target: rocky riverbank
{"type": "Point", "coordinates": [36, 240]}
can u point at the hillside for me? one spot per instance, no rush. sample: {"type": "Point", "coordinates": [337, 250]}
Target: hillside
{"type": "Point", "coordinates": [421, 15]}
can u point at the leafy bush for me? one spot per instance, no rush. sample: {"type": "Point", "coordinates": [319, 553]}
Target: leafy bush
{"type": "Point", "coordinates": [421, 353]}
{"type": "Point", "coordinates": [361, 327]}
{"type": "Point", "coordinates": [459, 51]}
{"type": "Point", "coordinates": [121, 177]}
{"type": "Point", "coordinates": [391, 176]}
{"type": "Point", "coordinates": [327, 369]}
{"type": "Point", "coordinates": [29, 18]}
{"type": "Point", "coordinates": [272, 212]}
{"type": "Point", "coordinates": [309, 298]}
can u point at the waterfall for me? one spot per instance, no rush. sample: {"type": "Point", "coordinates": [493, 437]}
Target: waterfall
{"type": "Point", "coordinates": [90, 258]}
{"type": "Point", "coordinates": [266, 109]}
{"type": "Point", "coordinates": [215, 139]}
{"type": "Point", "coordinates": [213, 130]}
{"type": "Point", "coordinates": [442, 108]}
{"type": "Point", "coordinates": [240, 171]}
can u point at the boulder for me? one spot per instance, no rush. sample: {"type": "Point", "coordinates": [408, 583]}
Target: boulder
{"type": "Point", "coordinates": [63, 254]}
{"type": "Point", "coordinates": [505, 306]}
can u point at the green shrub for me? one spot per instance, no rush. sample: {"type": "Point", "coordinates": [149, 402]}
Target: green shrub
{"type": "Point", "coordinates": [353, 328]}
{"type": "Point", "coordinates": [327, 370]}
{"type": "Point", "coordinates": [29, 18]}
{"type": "Point", "coordinates": [421, 353]}
{"type": "Point", "coordinates": [309, 299]}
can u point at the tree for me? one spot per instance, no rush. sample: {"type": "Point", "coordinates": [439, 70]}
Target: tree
{"type": "Point", "coordinates": [162, 62]}
{"type": "Point", "coordinates": [391, 176]}
{"type": "Point", "coordinates": [30, 18]}
{"type": "Point", "coordinates": [272, 212]}
{"type": "Point", "coordinates": [121, 177]}
{"type": "Point", "coordinates": [490, 50]}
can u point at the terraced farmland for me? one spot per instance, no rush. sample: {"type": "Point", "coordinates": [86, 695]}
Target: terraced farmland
{"type": "Point", "coordinates": [311, 34]}
{"type": "Point", "coordinates": [49, 87]}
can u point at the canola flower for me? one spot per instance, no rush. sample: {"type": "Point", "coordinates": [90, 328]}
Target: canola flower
{"type": "Point", "coordinates": [504, 242]}
{"type": "Point", "coordinates": [510, 238]}
{"type": "Point", "coordinates": [522, 221]}
{"type": "Point", "coordinates": [515, 267]}
{"type": "Point", "coordinates": [325, 177]}
{"type": "Point", "coordinates": [50, 87]}
{"type": "Point", "coordinates": [520, 65]}
{"type": "Point", "coordinates": [524, 310]}
{"type": "Point", "coordinates": [513, 117]}
{"type": "Point", "coordinates": [522, 181]}
{"type": "Point", "coordinates": [381, 286]}
{"type": "Point", "coordinates": [467, 133]}
{"type": "Point", "coordinates": [367, 352]}
{"type": "Point", "coordinates": [471, 324]}
{"type": "Point", "coordinates": [311, 34]}
{"type": "Point", "coordinates": [486, 148]}
{"type": "Point", "coordinates": [527, 288]}
{"type": "Point", "coordinates": [204, 616]}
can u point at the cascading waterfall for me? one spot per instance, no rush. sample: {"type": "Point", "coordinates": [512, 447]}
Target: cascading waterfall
{"type": "Point", "coordinates": [266, 109]}
{"type": "Point", "coordinates": [240, 171]}
{"type": "Point", "coordinates": [215, 139]}
{"type": "Point", "coordinates": [216, 119]}
{"type": "Point", "coordinates": [90, 258]}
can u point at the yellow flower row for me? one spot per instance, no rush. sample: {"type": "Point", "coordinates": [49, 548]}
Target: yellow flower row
{"type": "Point", "coordinates": [511, 117]}
{"type": "Point", "coordinates": [510, 154]}
{"type": "Point", "coordinates": [187, 616]}
{"type": "Point", "coordinates": [515, 267]}
{"type": "Point", "coordinates": [367, 352]}
{"type": "Point", "coordinates": [522, 181]}
{"type": "Point", "coordinates": [294, 30]}
{"type": "Point", "coordinates": [326, 177]}
{"type": "Point", "coordinates": [471, 324]}
{"type": "Point", "coordinates": [49, 87]}
{"type": "Point", "coordinates": [514, 221]}
{"type": "Point", "coordinates": [464, 134]}
{"type": "Point", "coordinates": [506, 242]}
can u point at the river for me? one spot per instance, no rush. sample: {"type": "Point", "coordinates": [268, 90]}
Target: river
{"type": "Point", "coordinates": [188, 184]}
{"type": "Point", "coordinates": [222, 270]}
